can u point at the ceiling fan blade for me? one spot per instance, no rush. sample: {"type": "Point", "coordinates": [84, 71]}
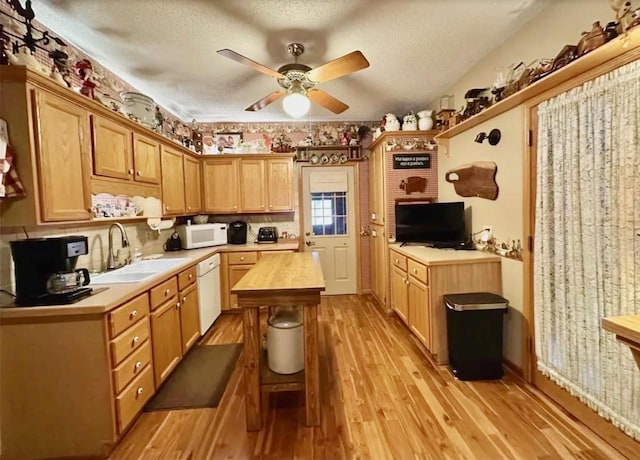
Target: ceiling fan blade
{"type": "Point", "coordinates": [327, 101]}
{"type": "Point", "coordinates": [246, 61]}
{"type": "Point", "coordinates": [344, 65]}
{"type": "Point", "coordinates": [265, 101]}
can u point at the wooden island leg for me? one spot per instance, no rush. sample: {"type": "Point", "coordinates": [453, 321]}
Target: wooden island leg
{"type": "Point", "coordinates": [311, 365]}
{"type": "Point", "coordinates": [252, 368]}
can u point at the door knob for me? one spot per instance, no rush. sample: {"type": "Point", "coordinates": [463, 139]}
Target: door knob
{"type": "Point", "coordinates": [310, 243]}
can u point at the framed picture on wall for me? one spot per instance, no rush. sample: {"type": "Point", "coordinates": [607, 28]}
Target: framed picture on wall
{"type": "Point", "coordinates": [228, 141]}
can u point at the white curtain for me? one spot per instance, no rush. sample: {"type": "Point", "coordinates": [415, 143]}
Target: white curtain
{"type": "Point", "coordinates": [587, 252]}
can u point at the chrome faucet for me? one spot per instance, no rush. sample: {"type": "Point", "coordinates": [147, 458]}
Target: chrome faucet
{"type": "Point", "coordinates": [112, 258]}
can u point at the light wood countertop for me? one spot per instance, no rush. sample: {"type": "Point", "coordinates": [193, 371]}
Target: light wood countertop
{"type": "Point", "coordinates": [625, 327]}
{"type": "Point", "coordinates": [433, 256]}
{"type": "Point", "coordinates": [115, 294]}
{"type": "Point", "coordinates": [274, 273]}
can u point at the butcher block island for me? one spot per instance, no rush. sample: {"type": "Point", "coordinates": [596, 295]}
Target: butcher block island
{"type": "Point", "coordinates": [289, 279]}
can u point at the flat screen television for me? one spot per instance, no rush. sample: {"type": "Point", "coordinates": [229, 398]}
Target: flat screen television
{"type": "Point", "coordinates": [440, 225]}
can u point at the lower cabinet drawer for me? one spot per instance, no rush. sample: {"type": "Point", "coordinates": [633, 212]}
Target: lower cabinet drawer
{"type": "Point", "coordinates": [418, 271]}
{"type": "Point", "coordinates": [242, 258]}
{"type": "Point", "coordinates": [131, 367]}
{"type": "Point", "coordinates": [133, 397]}
{"type": "Point", "coordinates": [130, 340]}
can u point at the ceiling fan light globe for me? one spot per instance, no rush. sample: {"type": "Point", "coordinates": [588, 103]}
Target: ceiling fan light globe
{"type": "Point", "coordinates": [296, 105]}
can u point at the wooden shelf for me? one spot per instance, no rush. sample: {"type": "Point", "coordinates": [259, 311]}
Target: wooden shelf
{"type": "Point", "coordinates": [272, 381]}
{"type": "Point", "coordinates": [619, 51]}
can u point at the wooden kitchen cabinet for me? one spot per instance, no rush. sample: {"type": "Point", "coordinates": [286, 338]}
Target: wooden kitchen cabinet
{"type": "Point", "coordinates": [63, 158]}
{"type": "Point", "coordinates": [248, 184]}
{"type": "Point", "coordinates": [220, 177]}
{"type": "Point", "coordinates": [189, 317]}
{"type": "Point", "coordinates": [192, 184]}
{"type": "Point", "coordinates": [422, 282]}
{"type": "Point", "coordinates": [419, 309]}
{"type": "Point", "coordinates": [166, 340]}
{"type": "Point", "coordinates": [253, 187]}
{"type": "Point", "coordinates": [120, 153]}
{"type": "Point", "coordinates": [279, 184]}
{"type": "Point", "coordinates": [379, 263]}
{"type": "Point", "coordinates": [410, 295]}
{"type": "Point", "coordinates": [399, 294]}
{"type": "Point", "coordinates": [173, 192]}
{"type": "Point", "coordinates": [146, 159]}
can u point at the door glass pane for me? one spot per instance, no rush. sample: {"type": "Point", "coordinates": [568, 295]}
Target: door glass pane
{"type": "Point", "coordinates": [329, 213]}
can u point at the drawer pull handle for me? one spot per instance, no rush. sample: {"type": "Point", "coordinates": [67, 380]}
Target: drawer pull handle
{"type": "Point", "coordinates": [415, 270]}
{"type": "Point", "coordinates": [190, 276]}
{"type": "Point", "coordinates": [178, 305]}
{"type": "Point", "coordinates": [139, 391]}
{"type": "Point", "coordinates": [241, 258]}
{"type": "Point", "coordinates": [131, 171]}
{"type": "Point", "coordinates": [184, 299]}
{"type": "Point", "coordinates": [139, 173]}
{"type": "Point", "coordinates": [167, 292]}
{"type": "Point", "coordinates": [136, 339]}
{"type": "Point", "coordinates": [138, 365]}
{"type": "Point", "coordinates": [134, 313]}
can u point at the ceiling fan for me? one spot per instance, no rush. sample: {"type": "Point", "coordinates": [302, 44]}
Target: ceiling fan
{"type": "Point", "coordinates": [298, 81]}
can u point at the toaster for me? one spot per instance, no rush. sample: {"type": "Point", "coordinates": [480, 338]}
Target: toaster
{"type": "Point", "coordinates": [267, 235]}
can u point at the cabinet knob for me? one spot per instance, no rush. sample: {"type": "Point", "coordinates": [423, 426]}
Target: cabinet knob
{"type": "Point", "coordinates": [184, 299]}
{"type": "Point", "coordinates": [166, 208]}
{"type": "Point", "coordinates": [397, 261]}
{"type": "Point", "coordinates": [190, 275]}
{"type": "Point", "coordinates": [136, 339]}
{"type": "Point", "coordinates": [138, 173]}
{"type": "Point", "coordinates": [178, 305]}
{"type": "Point", "coordinates": [131, 171]}
{"type": "Point", "coordinates": [241, 258]}
{"type": "Point", "coordinates": [167, 292]}
{"type": "Point", "coordinates": [271, 206]}
{"type": "Point", "coordinates": [189, 208]}
{"type": "Point", "coordinates": [406, 282]}
{"type": "Point", "coordinates": [415, 270]}
{"type": "Point", "coordinates": [134, 313]}
{"type": "Point", "coordinates": [235, 207]}
{"type": "Point", "coordinates": [139, 391]}
{"type": "Point", "coordinates": [138, 365]}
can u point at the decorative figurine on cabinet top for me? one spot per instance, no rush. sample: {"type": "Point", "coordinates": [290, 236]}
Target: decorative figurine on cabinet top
{"type": "Point", "coordinates": [410, 122]}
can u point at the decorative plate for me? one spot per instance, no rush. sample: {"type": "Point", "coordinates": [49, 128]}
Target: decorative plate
{"type": "Point", "coordinates": [314, 159]}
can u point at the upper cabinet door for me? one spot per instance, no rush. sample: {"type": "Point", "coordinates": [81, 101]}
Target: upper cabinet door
{"type": "Point", "coordinates": [172, 182]}
{"type": "Point", "coordinates": [146, 159]}
{"type": "Point", "coordinates": [192, 184]}
{"type": "Point", "coordinates": [280, 184]}
{"type": "Point", "coordinates": [252, 186]}
{"type": "Point", "coordinates": [221, 185]}
{"type": "Point", "coordinates": [111, 149]}
{"type": "Point", "coordinates": [63, 155]}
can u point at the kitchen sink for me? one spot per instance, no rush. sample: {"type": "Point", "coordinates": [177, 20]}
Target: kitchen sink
{"type": "Point", "coordinates": [138, 271]}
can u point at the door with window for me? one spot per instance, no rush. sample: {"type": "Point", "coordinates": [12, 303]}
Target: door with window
{"type": "Point", "coordinates": [329, 224]}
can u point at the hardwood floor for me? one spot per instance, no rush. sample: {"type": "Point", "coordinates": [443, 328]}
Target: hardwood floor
{"type": "Point", "coordinates": [382, 398]}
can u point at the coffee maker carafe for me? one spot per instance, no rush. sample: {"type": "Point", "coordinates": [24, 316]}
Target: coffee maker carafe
{"type": "Point", "coordinates": [45, 270]}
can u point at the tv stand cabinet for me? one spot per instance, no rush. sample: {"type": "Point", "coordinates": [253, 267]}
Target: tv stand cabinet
{"type": "Point", "coordinates": [421, 276]}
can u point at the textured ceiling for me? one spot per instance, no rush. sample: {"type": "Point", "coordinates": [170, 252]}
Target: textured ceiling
{"type": "Point", "coordinates": [167, 48]}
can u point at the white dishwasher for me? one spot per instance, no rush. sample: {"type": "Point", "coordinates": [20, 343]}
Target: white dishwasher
{"type": "Point", "coordinates": [209, 291]}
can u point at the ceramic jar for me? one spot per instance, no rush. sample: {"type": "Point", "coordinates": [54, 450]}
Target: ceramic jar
{"type": "Point", "coordinates": [425, 121]}
{"type": "Point", "coordinates": [409, 122]}
{"type": "Point", "coordinates": [391, 122]}
{"type": "Point", "coordinates": [140, 107]}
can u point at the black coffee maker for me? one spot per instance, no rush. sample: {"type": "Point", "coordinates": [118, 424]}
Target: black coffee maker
{"type": "Point", "coordinates": [45, 270]}
{"type": "Point", "coordinates": [237, 232]}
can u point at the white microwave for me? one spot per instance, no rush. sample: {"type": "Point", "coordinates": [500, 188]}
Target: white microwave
{"type": "Point", "coordinates": [202, 235]}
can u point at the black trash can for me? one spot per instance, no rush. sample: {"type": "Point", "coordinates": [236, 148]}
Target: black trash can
{"type": "Point", "coordinates": [474, 334]}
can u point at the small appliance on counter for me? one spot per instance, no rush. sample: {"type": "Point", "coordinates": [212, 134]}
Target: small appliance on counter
{"type": "Point", "coordinates": [202, 235]}
{"type": "Point", "coordinates": [237, 232]}
{"type": "Point", "coordinates": [45, 270]}
{"type": "Point", "coordinates": [174, 243]}
{"type": "Point", "coordinates": [267, 235]}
